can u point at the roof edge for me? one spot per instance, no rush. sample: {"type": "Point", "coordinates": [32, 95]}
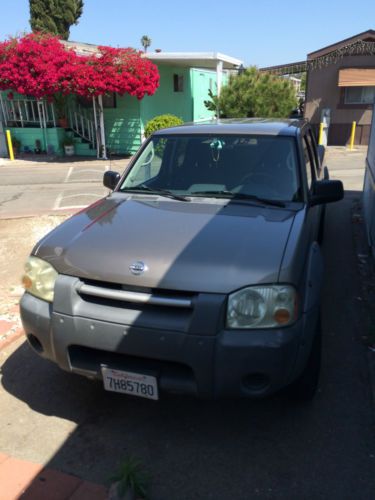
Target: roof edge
{"type": "Point", "coordinates": [212, 56]}
{"type": "Point", "coordinates": [334, 46]}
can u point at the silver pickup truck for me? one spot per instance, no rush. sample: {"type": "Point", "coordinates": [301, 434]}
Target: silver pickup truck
{"type": "Point", "coordinates": [200, 273]}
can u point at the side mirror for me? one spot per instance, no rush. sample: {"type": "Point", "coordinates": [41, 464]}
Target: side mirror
{"type": "Point", "coordinates": [111, 179]}
{"type": "Point", "coordinates": [326, 192]}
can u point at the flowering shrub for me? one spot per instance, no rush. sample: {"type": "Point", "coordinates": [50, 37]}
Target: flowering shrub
{"type": "Point", "coordinates": [116, 70]}
{"type": "Point", "coordinates": [40, 66]}
{"type": "Point", "coordinates": [35, 65]}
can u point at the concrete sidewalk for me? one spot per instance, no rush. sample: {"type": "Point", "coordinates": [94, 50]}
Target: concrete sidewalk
{"type": "Point", "coordinates": [20, 479]}
{"type": "Point", "coordinates": [26, 480]}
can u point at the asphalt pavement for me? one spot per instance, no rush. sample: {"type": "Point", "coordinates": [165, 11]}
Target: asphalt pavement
{"type": "Point", "coordinates": [221, 450]}
{"type": "Point", "coordinates": [29, 187]}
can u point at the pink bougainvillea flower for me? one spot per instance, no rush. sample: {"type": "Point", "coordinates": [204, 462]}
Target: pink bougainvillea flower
{"type": "Point", "coordinates": [39, 65]}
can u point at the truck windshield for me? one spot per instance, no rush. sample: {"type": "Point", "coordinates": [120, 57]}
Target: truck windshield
{"type": "Point", "coordinates": [205, 165]}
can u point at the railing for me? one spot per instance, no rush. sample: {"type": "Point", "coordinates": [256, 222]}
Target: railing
{"type": "Point", "coordinates": [26, 112]}
{"type": "Point", "coordinates": [81, 121]}
{"type": "Point", "coordinates": [40, 113]}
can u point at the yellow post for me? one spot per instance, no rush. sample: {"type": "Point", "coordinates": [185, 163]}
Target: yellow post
{"type": "Point", "coordinates": [10, 145]}
{"type": "Point", "coordinates": [320, 139]}
{"type": "Point", "coordinates": [352, 135]}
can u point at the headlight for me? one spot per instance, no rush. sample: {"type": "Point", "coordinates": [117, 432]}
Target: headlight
{"type": "Point", "coordinates": [262, 307]}
{"type": "Point", "coordinates": [39, 278]}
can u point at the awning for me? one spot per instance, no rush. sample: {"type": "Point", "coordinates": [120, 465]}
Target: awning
{"type": "Point", "coordinates": [357, 77]}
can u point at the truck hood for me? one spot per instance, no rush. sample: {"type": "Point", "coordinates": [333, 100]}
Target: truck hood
{"type": "Point", "coordinates": [212, 246]}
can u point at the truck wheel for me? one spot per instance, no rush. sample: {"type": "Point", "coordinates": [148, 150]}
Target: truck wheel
{"type": "Point", "coordinates": [305, 387]}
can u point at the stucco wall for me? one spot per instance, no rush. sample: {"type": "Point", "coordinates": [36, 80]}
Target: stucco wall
{"type": "Point", "coordinates": [122, 125]}
{"type": "Point", "coordinates": [165, 100]}
{"type": "Point", "coordinates": [323, 92]}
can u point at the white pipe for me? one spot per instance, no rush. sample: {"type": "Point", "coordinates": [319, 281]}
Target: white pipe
{"type": "Point", "coordinates": [53, 114]}
{"type": "Point", "coordinates": [219, 76]}
{"type": "Point", "coordinates": [96, 128]}
{"type": "Point", "coordinates": [102, 131]}
{"type": "Point", "coordinates": [20, 113]}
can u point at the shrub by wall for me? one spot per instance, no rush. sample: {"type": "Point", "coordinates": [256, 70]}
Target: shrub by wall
{"type": "Point", "coordinates": [161, 121]}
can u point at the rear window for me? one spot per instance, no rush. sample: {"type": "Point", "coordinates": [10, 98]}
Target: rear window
{"type": "Point", "coordinates": [264, 166]}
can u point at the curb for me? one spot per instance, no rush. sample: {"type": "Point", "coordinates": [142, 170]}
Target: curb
{"type": "Point", "coordinates": [10, 338]}
{"type": "Point", "coordinates": [26, 480]}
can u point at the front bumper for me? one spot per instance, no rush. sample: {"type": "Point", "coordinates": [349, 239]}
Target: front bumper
{"type": "Point", "coordinates": [226, 364]}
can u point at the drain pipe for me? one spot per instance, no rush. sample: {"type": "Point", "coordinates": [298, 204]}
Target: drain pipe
{"type": "Point", "coordinates": [102, 131]}
{"type": "Point", "coordinates": [97, 138]}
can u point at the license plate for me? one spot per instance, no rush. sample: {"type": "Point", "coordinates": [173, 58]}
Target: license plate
{"type": "Point", "coordinates": [135, 384]}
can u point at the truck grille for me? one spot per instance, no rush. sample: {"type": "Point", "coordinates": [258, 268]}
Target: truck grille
{"type": "Point", "coordinates": [113, 293]}
{"type": "Point", "coordinates": [172, 376]}
{"type": "Point", "coordinates": [148, 308]}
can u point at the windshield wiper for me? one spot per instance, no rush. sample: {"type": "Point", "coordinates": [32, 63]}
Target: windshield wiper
{"type": "Point", "coordinates": [240, 196]}
{"type": "Point", "coordinates": [161, 192]}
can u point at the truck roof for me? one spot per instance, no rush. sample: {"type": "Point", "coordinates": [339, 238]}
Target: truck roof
{"type": "Point", "coordinates": [258, 126]}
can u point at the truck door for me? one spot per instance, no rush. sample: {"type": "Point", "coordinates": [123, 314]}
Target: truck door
{"type": "Point", "coordinates": [313, 172]}
{"type": "Point", "coordinates": [369, 188]}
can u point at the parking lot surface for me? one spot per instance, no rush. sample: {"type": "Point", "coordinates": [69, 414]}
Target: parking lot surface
{"type": "Point", "coordinates": [193, 449]}
{"type": "Point", "coordinates": [29, 187]}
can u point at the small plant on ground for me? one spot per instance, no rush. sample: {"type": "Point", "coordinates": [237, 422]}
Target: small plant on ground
{"type": "Point", "coordinates": [162, 121]}
{"type": "Point", "coordinates": [68, 141]}
{"type": "Point", "coordinates": [130, 481]}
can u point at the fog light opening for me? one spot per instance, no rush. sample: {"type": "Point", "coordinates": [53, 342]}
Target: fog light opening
{"type": "Point", "coordinates": [35, 343]}
{"type": "Point", "coordinates": [256, 381]}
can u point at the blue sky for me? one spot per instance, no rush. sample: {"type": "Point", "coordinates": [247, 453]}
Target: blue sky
{"type": "Point", "coordinates": [263, 33]}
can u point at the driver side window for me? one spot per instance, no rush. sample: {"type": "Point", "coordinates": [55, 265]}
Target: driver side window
{"type": "Point", "coordinates": [148, 164]}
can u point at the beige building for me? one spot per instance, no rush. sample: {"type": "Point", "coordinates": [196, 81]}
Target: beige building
{"type": "Point", "coordinates": [341, 86]}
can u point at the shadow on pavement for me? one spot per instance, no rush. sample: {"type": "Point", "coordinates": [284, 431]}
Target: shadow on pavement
{"type": "Point", "coordinates": [191, 447]}
{"type": "Point", "coordinates": [36, 158]}
{"type": "Point", "coordinates": [229, 449]}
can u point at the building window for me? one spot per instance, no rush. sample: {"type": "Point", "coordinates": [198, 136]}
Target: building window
{"type": "Point", "coordinates": [359, 95]}
{"type": "Point", "coordinates": [178, 83]}
{"type": "Point", "coordinates": [109, 100]}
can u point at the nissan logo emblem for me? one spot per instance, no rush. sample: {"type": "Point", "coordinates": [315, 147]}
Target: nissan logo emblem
{"type": "Point", "coordinates": [138, 268]}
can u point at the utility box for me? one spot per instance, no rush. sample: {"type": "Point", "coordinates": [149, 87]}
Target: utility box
{"type": "Point", "coordinates": [325, 118]}
{"type": "Point", "coordinates": [369, 189]}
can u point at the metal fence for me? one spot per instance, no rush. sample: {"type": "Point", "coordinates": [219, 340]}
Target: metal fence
{"type": "Point", "coordinates": [27, 112]}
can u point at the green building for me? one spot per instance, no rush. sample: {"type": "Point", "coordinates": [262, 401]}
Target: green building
{"type": "Point", "coordinates": [116, 123]}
